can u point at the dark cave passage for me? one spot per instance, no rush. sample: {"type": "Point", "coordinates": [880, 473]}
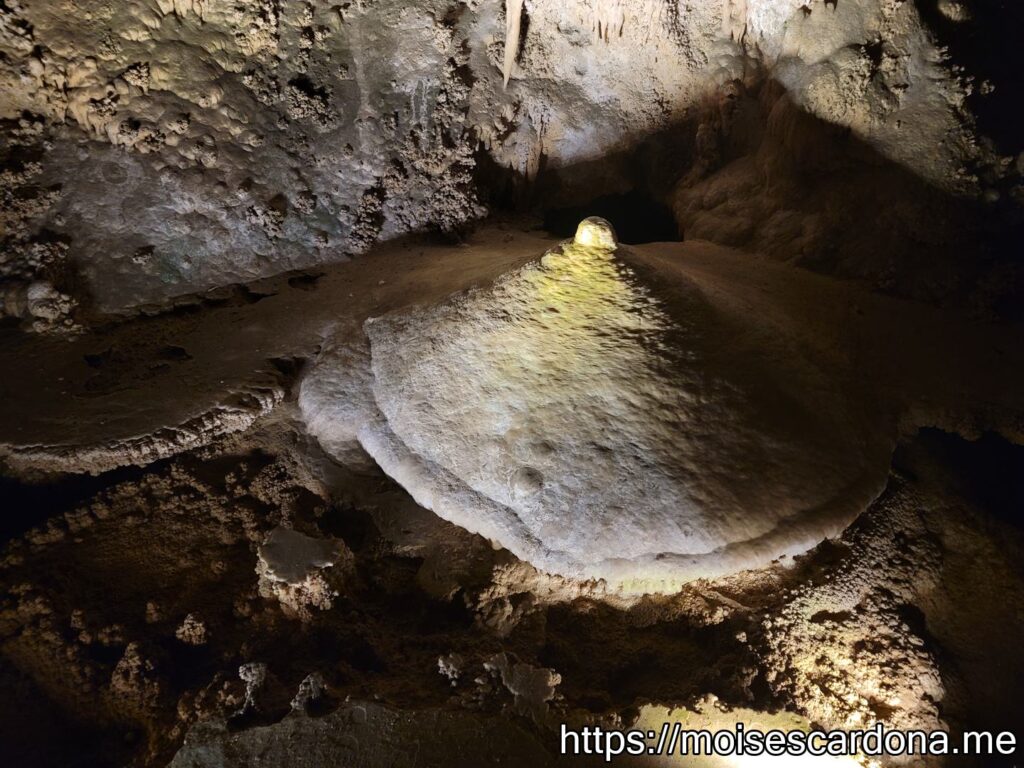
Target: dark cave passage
{"type": "Point", "coordinates": [983, 40]}
{"type": "Point", "coordinates": [637, 218]}
{"type": "Point", "coordinates": [988, 471]}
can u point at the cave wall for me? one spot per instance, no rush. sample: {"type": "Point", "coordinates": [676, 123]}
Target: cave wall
{"type": "Point", "coordinates": [164, 147]}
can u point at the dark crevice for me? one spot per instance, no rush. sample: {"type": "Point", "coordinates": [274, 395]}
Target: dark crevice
{"type": "Point", "coordinates": [28, 505]}
{"type": "Point", "coordinates": [986, 46]}
{"type": "Point", "coordinates": [988, 472]}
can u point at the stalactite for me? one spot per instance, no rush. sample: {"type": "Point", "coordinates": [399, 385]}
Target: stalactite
{"type": "Point", "coordinates": [734, 19]}
{"type": "Point", "coordinates": [513, 27]}
{"type": "Point", "coordinates": [609, 19]}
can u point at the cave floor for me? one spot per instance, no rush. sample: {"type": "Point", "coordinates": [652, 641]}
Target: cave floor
{"type": "Point", "coordinates": [127, 392]}
{"type": "Point", "coordinates": [151, 457]}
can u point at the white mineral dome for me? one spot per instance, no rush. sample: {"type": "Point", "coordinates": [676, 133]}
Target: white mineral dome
{"type": "Point", "coordinates": [603, 420]}
{"type": "Point", "coordinates": [595, 232]}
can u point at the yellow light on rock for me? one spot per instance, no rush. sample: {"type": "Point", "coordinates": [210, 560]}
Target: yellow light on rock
{"type": "Point", "coordinates": [595, 232]}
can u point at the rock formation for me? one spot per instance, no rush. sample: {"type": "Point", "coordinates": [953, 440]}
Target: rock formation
{"type": "Point", "coordinates": [339, 427]}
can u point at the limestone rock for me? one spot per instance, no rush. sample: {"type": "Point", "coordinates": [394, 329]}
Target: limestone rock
{"type": "Point", "coordinates": [291, 569]}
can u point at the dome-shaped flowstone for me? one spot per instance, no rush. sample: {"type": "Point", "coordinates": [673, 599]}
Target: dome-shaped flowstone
{"type": "Point", "coordinates": [600, 419]}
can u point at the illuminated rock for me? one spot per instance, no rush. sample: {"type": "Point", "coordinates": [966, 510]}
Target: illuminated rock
{"type": "Point", "coordinates": [595, 232]}
{"type": "Point", "coordinates": [601, 420]}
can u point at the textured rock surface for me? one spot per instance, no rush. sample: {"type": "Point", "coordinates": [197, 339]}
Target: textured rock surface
{"type": "Point", "coordinates": [151, 655]}
{"type": "Point", "coordinates": [160, 147]}
{"type": "Point", "coordinates": [293, 568]}
{"type": "Point", "coordinates": [912, 618]}
{"type": "Point", "coordinates": [598, 423]}
{"type": "Point", "coordinates": [198, 144]}
{"type": "Point", "coordinates": [236, 415]}
{"type": "Point", "coordinates": [368, 735]}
